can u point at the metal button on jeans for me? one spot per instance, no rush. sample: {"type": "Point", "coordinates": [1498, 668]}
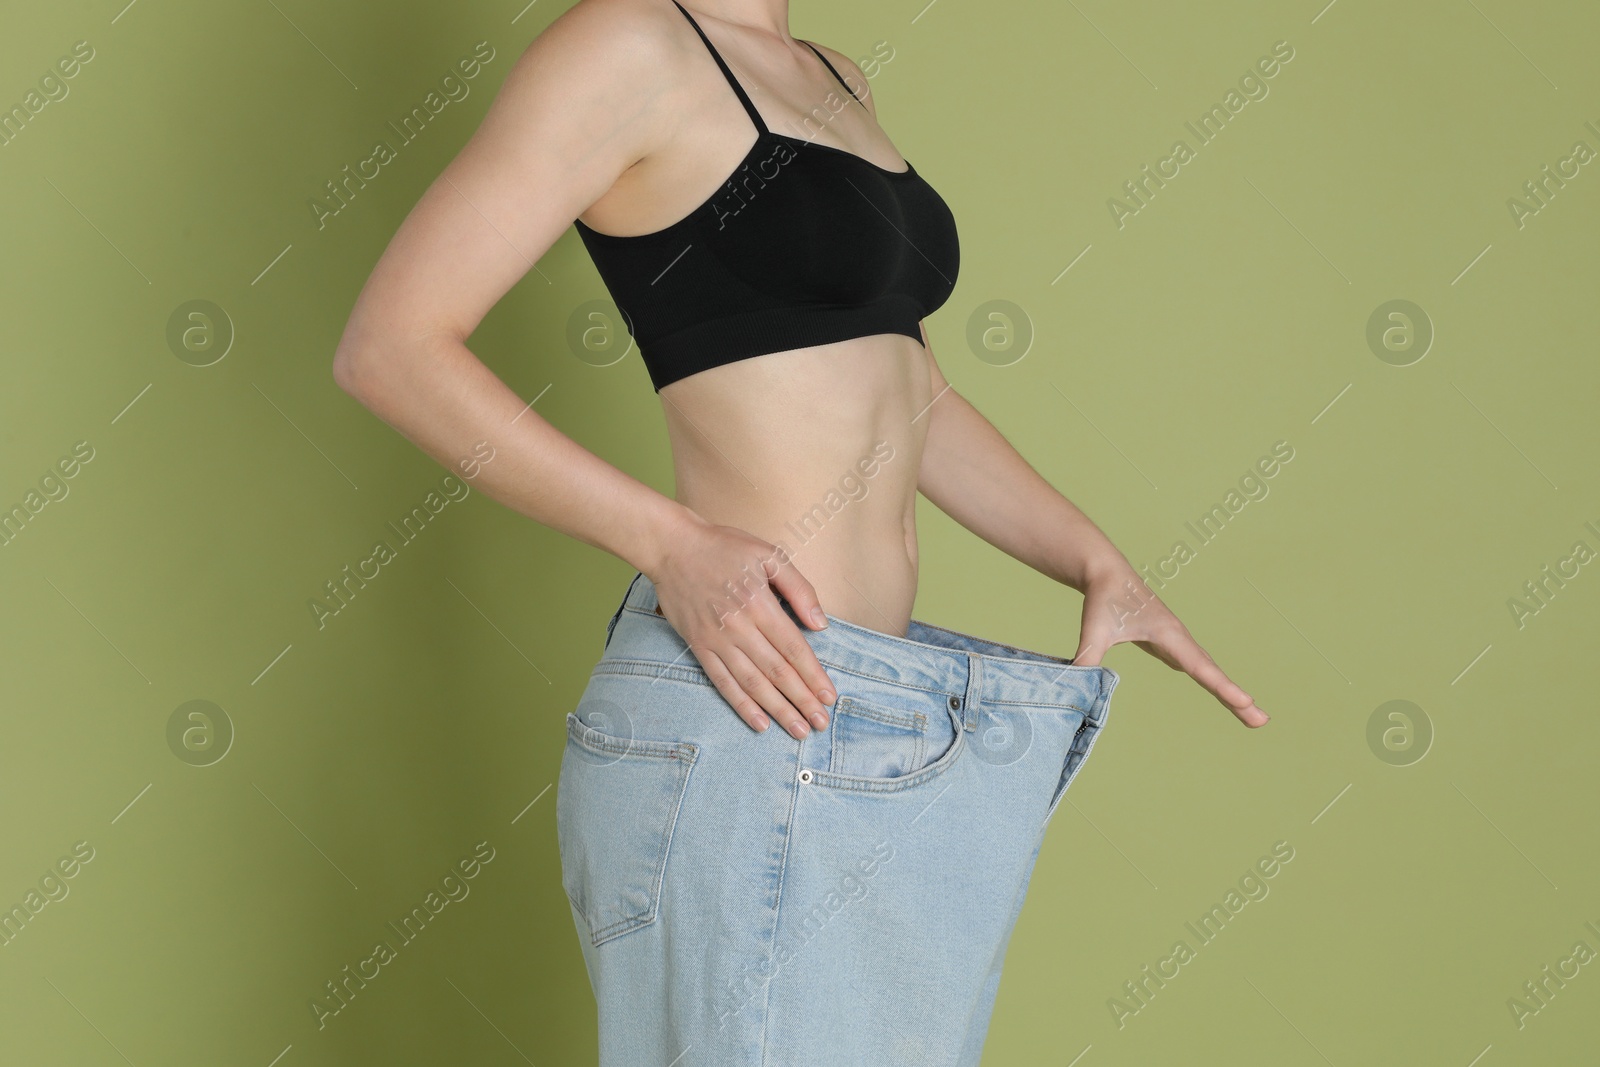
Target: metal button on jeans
{"type": "Point", "coordinates": [955, 703]}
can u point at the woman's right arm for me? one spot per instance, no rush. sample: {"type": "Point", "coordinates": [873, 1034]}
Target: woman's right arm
{"type": "Point", "coordinates": [582, 104]}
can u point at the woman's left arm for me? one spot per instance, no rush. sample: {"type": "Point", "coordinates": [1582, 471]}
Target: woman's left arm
{"type": "Point", "coordinates": [971, 473]}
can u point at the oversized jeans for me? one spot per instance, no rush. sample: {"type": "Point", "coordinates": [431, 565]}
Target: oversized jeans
{"type": "Point", "coordinates": [747, 899]}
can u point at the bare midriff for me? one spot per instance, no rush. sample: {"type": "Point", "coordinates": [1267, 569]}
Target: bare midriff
{"type": "Point", "coordinates": [817, 451]}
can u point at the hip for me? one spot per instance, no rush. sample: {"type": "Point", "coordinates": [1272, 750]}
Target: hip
{"type": "Point", "coordinates": [910, 709]}
{"type": "Point", "coordinates": [842, 897]}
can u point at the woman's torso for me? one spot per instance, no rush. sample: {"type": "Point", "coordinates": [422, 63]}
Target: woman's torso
{"type": "Point", "coordinates": [833, 482]}
{"type": "Point", "coordinates": [815, 449]}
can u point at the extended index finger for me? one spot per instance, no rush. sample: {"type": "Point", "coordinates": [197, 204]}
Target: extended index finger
{"type": "Point", "coordinates": [1197, 663]}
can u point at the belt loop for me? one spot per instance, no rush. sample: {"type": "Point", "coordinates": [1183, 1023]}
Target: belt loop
{"type": "Point", "coordinates": [612, 625]}
{"type": "Point", "coordinates": [974, 694]}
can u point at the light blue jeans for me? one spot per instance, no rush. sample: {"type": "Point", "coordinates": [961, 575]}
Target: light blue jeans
{"type": "Point", "coordinates": [748, 899]}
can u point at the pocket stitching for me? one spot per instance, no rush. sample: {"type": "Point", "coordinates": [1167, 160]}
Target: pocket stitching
{"type": "Point", "coordinates": [833, 780]}
{"type": "Point", "coordinates": [909, 720]}
{"type": "Point", "coordinates": [602, 744]}
{"type": "Point", "coordinates": [685, 754]}
{"type": "Point", "coordinates": [913, 722]}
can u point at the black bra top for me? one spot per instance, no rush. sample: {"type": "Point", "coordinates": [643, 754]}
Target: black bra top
{"type": "Point", "coordinates": [804, 244]}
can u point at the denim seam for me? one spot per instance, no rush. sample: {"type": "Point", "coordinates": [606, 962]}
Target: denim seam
{"type": "Point", "coordinates": [1076, 758]}
{"type": "Point", "coordinates": [1047, 661]}
{"type": "Point", "coordinates": [650, 669]}
{"type": "Point", "coordinates": [1093, 727]}
{"type": "Point", "coordinates": [883, 713]}
{"type": "Point", "coordinates": [695, 676]}
{"type": "Point", "coordinates": [1045, 657]}
{"type": "Point", "coordinates": [777, 906]}
{"type": "Point", "coordinates": [917, 726]}
{"type": "Point", "coordinates": [875, 678]}
{"type": "Point", "coordinates": [990, 703]}
{"type": "Point", "coordinates": [899, 783]}
{"type": "Point", "coordinates": [680, 752]}
{"type": "Point", "coordinates": [603, 743]}
{"type": "Point", "coordinates": [973, 697]}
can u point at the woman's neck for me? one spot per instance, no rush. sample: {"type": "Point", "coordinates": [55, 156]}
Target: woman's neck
{"type": "Point", "coordinates": [766, 16]}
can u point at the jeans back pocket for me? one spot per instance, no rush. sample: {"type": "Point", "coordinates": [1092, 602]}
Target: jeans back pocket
{"type": "Point", "coordinates": [617, 804]}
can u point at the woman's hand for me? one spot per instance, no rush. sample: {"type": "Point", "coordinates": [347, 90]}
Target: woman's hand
{"type": "Point", "coordinates": [716, 586]}
{"type": "Point", "coordinates": [1119, 606]}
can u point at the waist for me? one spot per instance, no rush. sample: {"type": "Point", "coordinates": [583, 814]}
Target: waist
{"type": "Point", "coordinates": [818, 453]}
{"type": "Point", "coordinates": [962, 671]}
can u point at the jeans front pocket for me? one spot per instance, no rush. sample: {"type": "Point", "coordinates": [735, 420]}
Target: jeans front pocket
{"type": "Point", "coordinates": [617, 804]}
{"type": "Point", "coordinates": [875, 741]}
{"type": "Point", "coordinates": [887, 749]}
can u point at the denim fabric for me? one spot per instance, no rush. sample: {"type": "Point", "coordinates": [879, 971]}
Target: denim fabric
{"type": "Point", "coordinates": [748, 899]}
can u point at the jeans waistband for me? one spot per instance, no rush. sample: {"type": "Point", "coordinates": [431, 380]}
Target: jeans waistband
{"type": "Point", "coordinates": [929, 658]}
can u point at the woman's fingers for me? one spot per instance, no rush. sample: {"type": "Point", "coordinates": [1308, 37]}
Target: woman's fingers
{"type": "Point", "coordinates": [754, 682]}
{"type": "Point", "coordinates": [788, 684]}
{"type": "Point", "coordinates": [793, 587]}
{"type": "Point", "coordinates": [1093, 641]}
{"type": "Point", "coordinates": [1186, 655]}
{"type": "Point", "coordinates": [741, 702]}
{"type": "Point", "coordinates": [755, 655]}
{"type": "Point", "coordinates": [790, 642]}
{"type": "Point", "coordinates": [760, 661]}
{"type": "Point", "coordinates": [779, 648]}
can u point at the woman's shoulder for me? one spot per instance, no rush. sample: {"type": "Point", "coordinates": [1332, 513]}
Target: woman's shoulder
{"type": "Point", "coordinates": [637, 35]}
{"type": "Point", "coordinates": [850, 71]}
{"type": "Point", "coordinates": [613, 65]}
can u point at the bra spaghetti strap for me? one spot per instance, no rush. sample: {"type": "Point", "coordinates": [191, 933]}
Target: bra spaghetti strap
{"type": "Point", "coordinates": [835, 73]}
{"type": "Point", "coordinates": [755, 116]}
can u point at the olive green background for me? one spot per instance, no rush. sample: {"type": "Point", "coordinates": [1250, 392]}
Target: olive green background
{"type": "Point", "coordinates": [1229, 312]}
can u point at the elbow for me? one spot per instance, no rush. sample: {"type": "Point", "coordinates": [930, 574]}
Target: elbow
{"type": "Point", "coordinates": [366, 340]}
{"type": "Point", "coordinates": [344, 371]}
{"type": "Point", "coordinates": [353, 361]}
{"type": "Point", "coordinates": [350, 358]}
{"type": "Point", "coordinates": [369, 360]}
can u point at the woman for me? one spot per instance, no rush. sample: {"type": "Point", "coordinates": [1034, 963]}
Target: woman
{"type": "Point", "coordinates": [840, 890]}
